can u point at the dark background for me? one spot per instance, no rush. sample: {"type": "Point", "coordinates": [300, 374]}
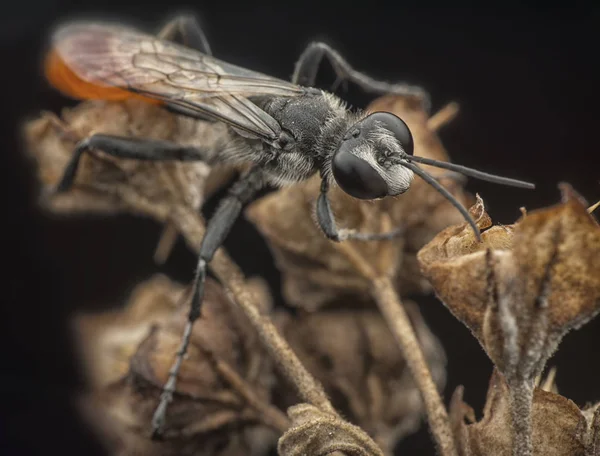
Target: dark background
{"type": "Point", "coordinates": [525, 78]}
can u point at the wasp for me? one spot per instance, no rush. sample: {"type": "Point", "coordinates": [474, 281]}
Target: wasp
{"type": "Point", "coordinates": [280, 132]}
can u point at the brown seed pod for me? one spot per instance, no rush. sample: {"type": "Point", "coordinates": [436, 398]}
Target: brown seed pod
{"type": "Point", "coordinates": [525, 285]}
{"type": "Point", "coordinates": [222, 400]}
{"type": "Point", "coordinates": [355, 357]}
{"type": "Point", "coordinates": [315, 271]}
{"type": "Point", "coordinates": [520, 291]}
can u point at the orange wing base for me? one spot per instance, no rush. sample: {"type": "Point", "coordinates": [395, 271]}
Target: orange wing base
{"type": "Point", "coordinates": [64, 79]}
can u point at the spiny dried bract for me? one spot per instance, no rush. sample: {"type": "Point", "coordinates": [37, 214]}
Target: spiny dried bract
{"type": "Point", "coordinates": [315, 271]}
{"type": "Point", "coordinates": [317, 433]}
{"type": "Point", "coordinates": [107, 184]}
{"type": "Point", "coordinates": [524, 286]}
{"type": "Point", "coordinates": [132, 352]}
{"type": "Point", "coordinates": [559, 427]}
{"type": "Point", "coordinates": [355, 357]}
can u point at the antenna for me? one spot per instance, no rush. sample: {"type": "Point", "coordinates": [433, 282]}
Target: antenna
{"type": "Point", "coordinates": [463, 170]}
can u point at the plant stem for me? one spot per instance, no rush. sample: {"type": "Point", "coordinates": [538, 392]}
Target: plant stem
{"type": "Point", "coordinates": [393, 312]}
{"type": "Point", "coordinates": [521, 400]}
{"type": "Point", "coordinates": [269, 414]}
{"type": "Point", "coordinates": [443, 116]}
{"type": "Point", "coordinates": [192, 227]}
{"type": "Point", "coordinates": [166, 242]}
{"type": "Point", "coordinates": [391, 307]}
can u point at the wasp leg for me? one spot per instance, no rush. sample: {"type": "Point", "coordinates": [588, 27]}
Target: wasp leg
{"type": "Point", "coordinates": [305, 73]}
{"type": "Point", "coordinates": [217, 230]}
{"type": "Point", "coordinates": [184, 29]}
{"type": "Point", "coordinates": [132, 148]}
{"type": "Point", "coordinates": [327, 222]}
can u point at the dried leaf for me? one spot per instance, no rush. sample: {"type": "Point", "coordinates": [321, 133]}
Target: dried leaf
{"type": "Point", "coordinates": [555, 424]}
{"type": "Point", "coordinates": [131, 352]}
{"type": "Point", "coordinates": [354, 355]}
{"type": "Point", "coordinates": [318, 433]}
{"type": "Point", "coordinates": [315, 271]}
{"type": "Point", "coordinates": [107, 184]}
{"type": "Point", "coordinates": [523, 287]}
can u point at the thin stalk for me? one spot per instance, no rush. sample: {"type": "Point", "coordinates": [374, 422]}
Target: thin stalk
{"type": "Point", "coordinates": [391, 307]}
{"type": "Point", "coordinates": [443, 116]}
{"type": "Point", "coordinates": [393, 312]}
{"type": "Point", "coordinates": [229, 274]}
{"type": "Point", "coordinates": [521, 400]}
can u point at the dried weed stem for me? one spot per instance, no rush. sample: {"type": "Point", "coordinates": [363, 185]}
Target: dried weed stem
{"type": "Point", "coordinates": [269, 415]}
{"type": "Point", "coordinates": [192, 227]}
{"type": "Point", "coordinates": [443, 116]}
{"type": "Point", "coordinates": [391, 307]}
{"type": "Point", "coordinates": [521, 403]}
{"type": "Point", "coordinates": [166, 242]}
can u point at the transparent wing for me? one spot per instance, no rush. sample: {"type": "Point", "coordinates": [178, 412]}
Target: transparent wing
{"type": "Point", "coordinates": [120, 57]}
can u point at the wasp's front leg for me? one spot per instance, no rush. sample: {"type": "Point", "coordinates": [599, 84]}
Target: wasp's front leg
{"type": "Point", "coordinates": [327, 223]}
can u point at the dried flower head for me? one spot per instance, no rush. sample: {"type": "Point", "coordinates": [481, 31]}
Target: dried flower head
{"type": "Point", "coordinates": [559, 427]}
{"type": "Point", "coordinates": [525, 285]}
{"type": "Point", "coordinates": [108, 184]}
{"type": "Point", "coordinates": [354, 355]}
{"type": "Point", "coordinates": [315, 271]}
{"type": "Point", "coordinates": [318, 433]}
{"type": "Point", "coordinates": [520, 291]}
{"type": "Point", "coordinates": [223, 393]}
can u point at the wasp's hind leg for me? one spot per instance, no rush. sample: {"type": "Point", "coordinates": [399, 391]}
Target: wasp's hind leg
{"type": "Point", "coordinates": [128, 148]}
{"type": "Point", "coordinates": [185, 29]}
{"type": "Point", "coordinates": [327, 223]}
{"type": "Point", "coordinates": [307, 66]}
{"type": "Point", "coordinates": [217, 230]}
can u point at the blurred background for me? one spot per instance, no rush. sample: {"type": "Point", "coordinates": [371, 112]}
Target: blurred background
{"type": "Point", "coordinates": [526, 81]}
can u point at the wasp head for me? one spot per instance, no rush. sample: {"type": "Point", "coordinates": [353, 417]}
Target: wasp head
{"type": "Point", "coordinates": [368, 162]}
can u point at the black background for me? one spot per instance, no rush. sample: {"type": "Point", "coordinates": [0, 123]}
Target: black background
{"type": "Point", "coordinates": [525, 78]}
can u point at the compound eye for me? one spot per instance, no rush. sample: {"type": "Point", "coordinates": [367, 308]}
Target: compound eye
{"type": "Point", "coordinates": [355, 176]}
{"type": "Point", "coordinates": [397, 126]}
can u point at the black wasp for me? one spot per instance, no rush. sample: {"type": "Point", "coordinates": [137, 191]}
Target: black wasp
{"type": "Point", "coordinates": [285, 131]}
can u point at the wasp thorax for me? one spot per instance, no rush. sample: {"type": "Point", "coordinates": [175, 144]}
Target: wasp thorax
{"type": "Point", "coordinates": [368, 162]}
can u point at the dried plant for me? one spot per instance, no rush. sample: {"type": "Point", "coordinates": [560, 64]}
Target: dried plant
{"type": "Point", "coordinates": [109, 185]}
{"type": "Point", "coordinates": [519, 292]}
{"type": "Point", "coordinates": [353, 354]}
{"type": "Point", "coordinates": [222, 401]}
{"type": "Point", "coordinates": [320, 433]}
{"type": "Point", "coordinates": [354, 366]}
{"type": "Point", "coordinates": [558, 426]}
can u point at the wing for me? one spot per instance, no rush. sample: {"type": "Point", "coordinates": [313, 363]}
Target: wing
{"type": "Point", "coordinates": [93, 60]}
